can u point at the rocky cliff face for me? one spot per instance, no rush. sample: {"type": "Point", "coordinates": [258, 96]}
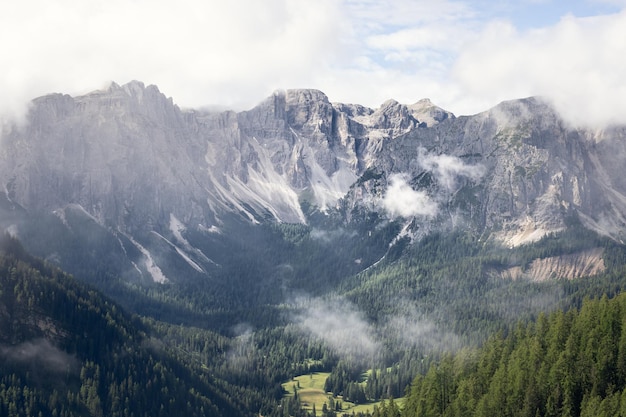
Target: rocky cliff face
{"type": "Point", "coordinates": [137, 165]}
{"type": "Point", "coordinates": [516, 171]}
{"type": "Point", "coordinates": [127, 156]}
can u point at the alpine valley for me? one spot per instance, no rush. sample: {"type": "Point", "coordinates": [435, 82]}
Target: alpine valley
{"type": "Point", "coordinates": [217, 255]}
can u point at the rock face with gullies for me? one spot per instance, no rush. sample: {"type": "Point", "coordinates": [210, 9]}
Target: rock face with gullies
{"type": "Point", "coordinates": [516, 170]}
{"type": "Point", "coordinates": [122, 154]}
{"type": "Point", "coordinates": [136, 164]}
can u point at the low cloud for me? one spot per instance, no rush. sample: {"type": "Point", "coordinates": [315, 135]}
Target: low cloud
{"type": "Point", "coordinates": [40, 353]}
{"type": "Point", "coordinates": [327, 236]}
{"type": "Point", "coordinates": [448, 168]}
{"type": "Point", "coordinates": [346, 330]}
{"type": "Point", "coordinates": [341, 325]}
{"type": "Point", "coordinates": [402, 200]}
{"type": "Point", "coordinates": [413, 328]}
{"type": "Point", "coordinates": [242, 350]}
{"type": "Point", "coordinates": [577, 64]}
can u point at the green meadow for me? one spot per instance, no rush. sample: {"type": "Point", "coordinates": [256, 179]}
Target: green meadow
{"type": "Point", "coordinates": [310, 388]}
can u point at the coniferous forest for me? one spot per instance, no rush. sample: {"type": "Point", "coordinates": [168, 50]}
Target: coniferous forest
{"type": "Point", "coordinates": [68, 351]}
{"type": "Point", "coordinates": [434, 322]}
{"type": "Point", "coordinates": [561, 364]}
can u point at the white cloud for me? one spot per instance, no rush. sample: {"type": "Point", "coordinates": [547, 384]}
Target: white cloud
{"type": "Point", "coordinates": [40, 353]}
{"type": "Point", "coordinates": [466, 55]}
{"type": "Point", "coordinates": [341, 325]}
{"type": "Point", "coordinates": [373, 14]}
{"type": "Point", "coordinates": [402, 200]}
{"type": "Point", "coordinates": [578, 64]}
{"type": "Point", "coordinates": [414, 328]}
{"type": "Point", "coordinates": [200, 52]}
{"type": "Point", "coordinates": [447, 168]}
{"type": "Point", "coordinates": [431, 37]}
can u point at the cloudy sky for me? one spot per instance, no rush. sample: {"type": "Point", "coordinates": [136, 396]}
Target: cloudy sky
{"type": "Point", "coordinates": [465, 55]}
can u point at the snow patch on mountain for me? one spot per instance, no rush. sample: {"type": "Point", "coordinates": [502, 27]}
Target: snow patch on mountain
{"type": "Point", "coordinates": [60, 213]}
{"type": "Point", "coordinates": [211, 229]}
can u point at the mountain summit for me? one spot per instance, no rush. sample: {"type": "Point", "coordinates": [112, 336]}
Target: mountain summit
{"type": "Point", "coordinates": [128, 163]}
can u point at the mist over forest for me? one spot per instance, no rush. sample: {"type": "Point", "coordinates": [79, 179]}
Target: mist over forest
{"type": "Point", "coordinates": [305, 257]}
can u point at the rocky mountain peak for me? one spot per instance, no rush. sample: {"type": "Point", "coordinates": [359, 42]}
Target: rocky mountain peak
{"type": "Point", "coordinates": [392, 118]}
{"type": "Point", "coordinates": [309, 110]}
{"type": "Point", "coordinates": [305, 96]}
{"type": "Point", "coordinates": [534, 110]}
{"type": "Point", "coordinates": [428, 113]}
{"type": "Point", "coordinates": [132, 98]}
{"type": "Point", "coordinates": [119, 153]}
{"type": "Point", "coordinates": [133, 162]}
{"type": "Point", "coordinates": [133, 88]}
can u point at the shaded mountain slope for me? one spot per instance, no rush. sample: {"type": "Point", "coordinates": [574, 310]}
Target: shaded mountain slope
{"type": "Point", "coordinates": [139, 169]}
{"type": "Point", "coordinates": [65, 350]}
{"type": "Point", "coordinates": [563, 364]}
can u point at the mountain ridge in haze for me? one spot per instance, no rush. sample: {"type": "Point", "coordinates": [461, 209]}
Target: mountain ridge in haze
{"type": "Point", "coordinates": [128, 163]}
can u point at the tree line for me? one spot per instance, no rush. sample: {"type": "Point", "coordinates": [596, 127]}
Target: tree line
{"type": "Point", "coordinates": [562, 364]}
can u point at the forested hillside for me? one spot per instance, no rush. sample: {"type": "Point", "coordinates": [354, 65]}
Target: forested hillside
{"type": "Point", "coordinates": [217, 255]}
{"type": "Point", "coordinates": [65, 350]}
{"type": "Point", "coordinates": [562, 364]}
{"type": "Point", "coordinates": [422, 306]}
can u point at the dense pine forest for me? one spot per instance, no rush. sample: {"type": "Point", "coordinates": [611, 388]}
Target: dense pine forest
{"type": "Point", "coordinates": [563, 364]}
{"type": "Point", "coordinates": [433, 321]}
{"type": "Point", "coordinates": [68, 351]}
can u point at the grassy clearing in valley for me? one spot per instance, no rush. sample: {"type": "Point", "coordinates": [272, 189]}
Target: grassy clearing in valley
{"type": "Point", "coordinates": [369, 407]}
{"type": "Point", "coordinates": [310, 389]}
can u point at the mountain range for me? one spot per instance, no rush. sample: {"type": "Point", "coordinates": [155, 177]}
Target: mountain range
{"type": "Point", "coordinates": [217, 254]}
{"type": "Point", "coordinates": [134, 166]}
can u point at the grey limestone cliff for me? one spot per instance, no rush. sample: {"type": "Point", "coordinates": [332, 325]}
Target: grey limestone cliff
{"type": "Point", "coordinates": [136, 164]}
